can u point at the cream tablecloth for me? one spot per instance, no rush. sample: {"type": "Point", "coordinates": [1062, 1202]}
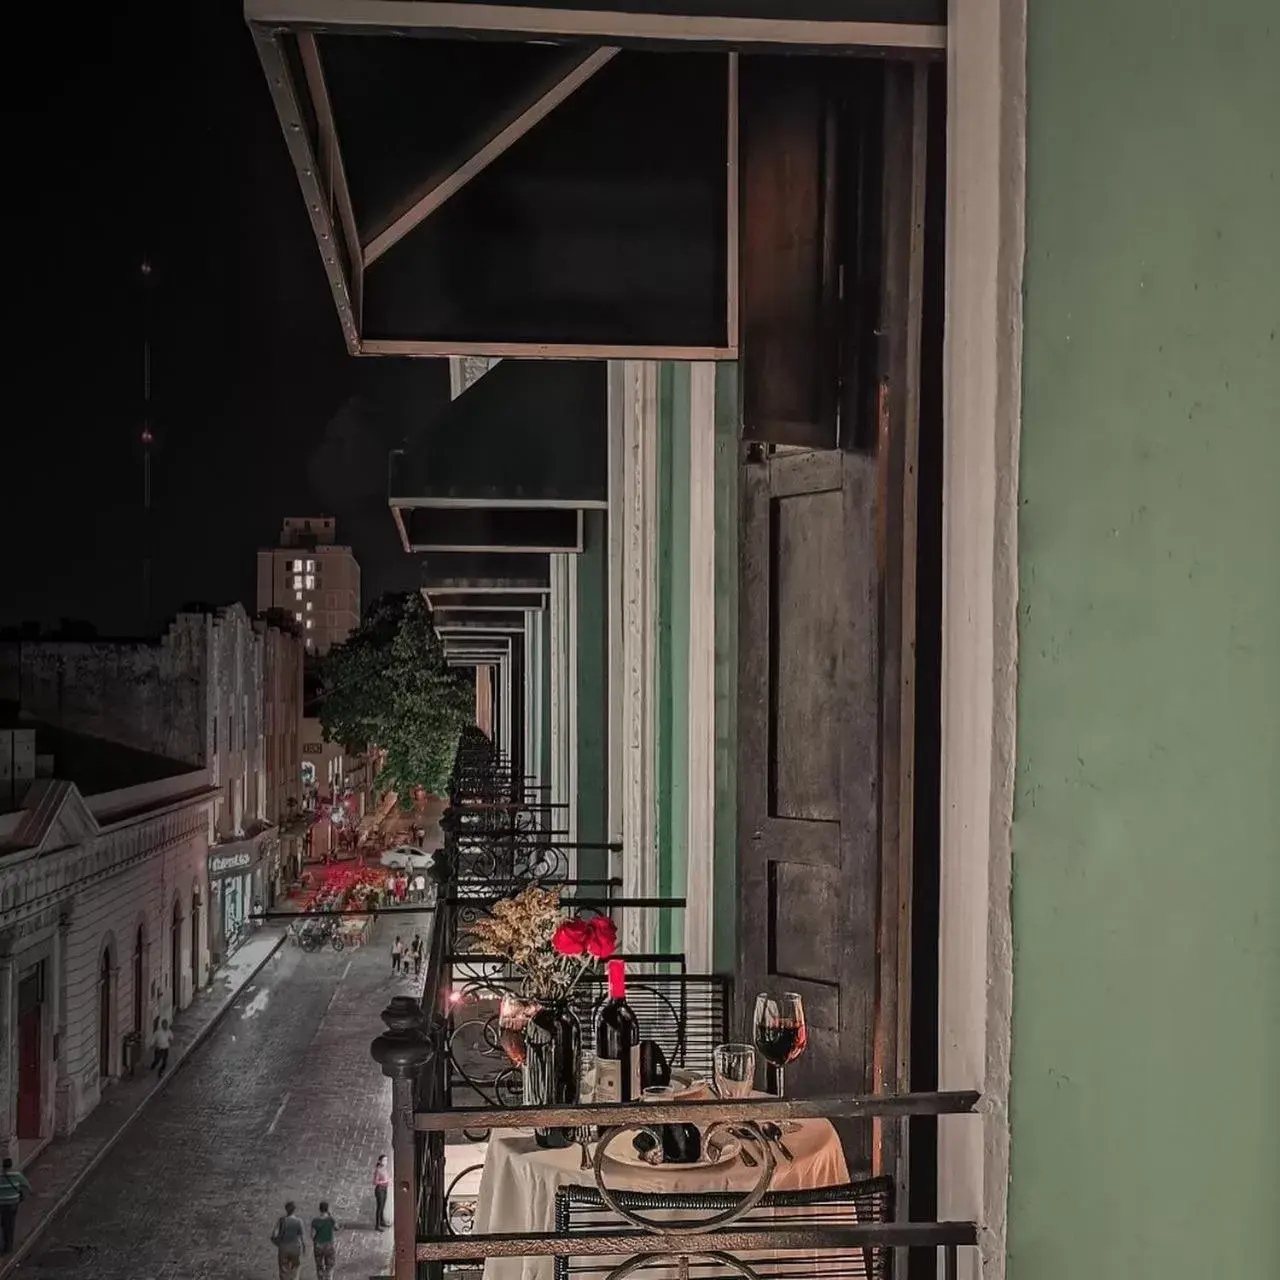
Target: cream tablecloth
{"type": "Point", "coordinates": [520, 1180]}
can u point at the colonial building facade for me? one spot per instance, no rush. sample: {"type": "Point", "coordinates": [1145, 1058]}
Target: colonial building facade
{"type": "Point", "coordinates": [210, 693]}
{"type": "Point", "coordinates": [102, 926]}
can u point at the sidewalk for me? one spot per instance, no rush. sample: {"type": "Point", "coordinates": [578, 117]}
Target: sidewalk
{"type": "Point", "coordinates": [60, 1168]}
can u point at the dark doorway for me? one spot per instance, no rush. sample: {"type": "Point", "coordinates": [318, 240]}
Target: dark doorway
{"type": "Point", "coordinates": [175, 959]}
{"type": "Point", "coordinates": [105, 997]}
{"type": "Point", "coordinates": [137, 982]}
{"type": "Point", "coordinates": [195, 940]}
{"type": "Point", "coordinates": [30, 1052]}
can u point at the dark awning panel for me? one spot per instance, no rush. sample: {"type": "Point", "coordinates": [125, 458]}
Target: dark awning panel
{"type": "Point", "coordinates": [501, 529]}
{"type": "Point", "coordinates": [477, 573]}
{"type": "Point", "coordinates": [529, 433]}
{"type": "Point", "coordinates": [565, 186]}
{"type": "Point", "coordinates": [478, 602]}
{"type": "Point", "coordinates": [506, 620]}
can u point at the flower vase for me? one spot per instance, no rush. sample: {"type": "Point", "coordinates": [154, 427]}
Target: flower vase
{"type": "Point", "coordinates": [514, 1016]}
{"type": "Point", "coordinates": [552, 1063]}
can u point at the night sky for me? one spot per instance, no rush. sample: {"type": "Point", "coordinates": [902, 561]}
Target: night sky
{"type": "Point", "coordinates": [149, 133]}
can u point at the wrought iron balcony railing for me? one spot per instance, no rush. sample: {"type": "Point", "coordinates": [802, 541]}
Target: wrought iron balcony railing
{"type": "Point", "coordinates": [453, 1082]}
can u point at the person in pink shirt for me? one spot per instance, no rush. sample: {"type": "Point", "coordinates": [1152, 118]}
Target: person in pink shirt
{"type": "Point", "coordinates": [381, 1181]}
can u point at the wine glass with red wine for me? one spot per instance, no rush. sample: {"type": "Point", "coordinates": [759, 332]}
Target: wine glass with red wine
{"type": "Point", "coordinates": [780, 1032]}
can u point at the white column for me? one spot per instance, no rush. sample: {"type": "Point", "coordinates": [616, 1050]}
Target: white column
{"type": "Point", "coordinates": [564, 698]}
{"type": "Point", "coordinates": [700, 846]}
{"type": "Point", "coordinates": [986, 141]}
{"type": "Point", "coordinates": [633, 539]}
{"type": "Point", "coordinates": [504, 670]}
{"type": "Point", "coordinates": [555, 712]}
{"type": "Point", "coordinates": [538, 710]}
{"type": "Point", "coordinates": [530, 751]}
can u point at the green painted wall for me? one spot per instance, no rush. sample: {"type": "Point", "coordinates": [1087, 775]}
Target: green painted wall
{"type": "Point", "coordinates": [544, 624]}
{"type": "Point", "coordinates": [725, 937]}
{"type": "Point", "coordinates": [1146, 878]}
{"type": "Point", "coordinates": [672, 790]}
{"type": "Point", "coordinates": [593, 694]}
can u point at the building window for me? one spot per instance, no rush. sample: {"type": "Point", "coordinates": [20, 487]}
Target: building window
{"type": "Point", "coordinates": [311, 566]}
{"type": "Point", "coordinates": [310, 606]}
{"type": "Point", "coordinates": [310, 624]}
{"type": "Point", "coordinates": [308, 642]}
{"type": "Point", "coordinates": [297, 582]}
{"type": "Point", "coordinates": [297, 595]}
{"type": "Point", "coordinates": [310, 582]}
{"type": "Point", "coordinates": [297, 617]}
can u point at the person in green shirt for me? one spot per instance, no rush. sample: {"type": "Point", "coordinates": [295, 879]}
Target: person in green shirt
{"type": "Point", "coordinates": [324, 1244]}
{"type": "Point", "coordinates": [14, 1189]}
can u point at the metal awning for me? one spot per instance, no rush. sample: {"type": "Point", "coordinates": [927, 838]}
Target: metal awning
{"type": "Point", "coordinates": [503, 622]}
{"type": "Point", "coordinates": [487, 529]}
{"type": "Point", "coordinates": [485, 573]}
{"type": "Point", "coordinates": [529, 434]}
{"type": "Point", "coordinates": [525, 179]}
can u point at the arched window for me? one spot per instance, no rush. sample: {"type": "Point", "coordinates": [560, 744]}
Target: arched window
{"type": "Point", "coordinates": [105, 997]}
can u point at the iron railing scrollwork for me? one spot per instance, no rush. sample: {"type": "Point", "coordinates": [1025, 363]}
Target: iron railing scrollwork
{"type": "Point", "coordinates": [455, 1079]}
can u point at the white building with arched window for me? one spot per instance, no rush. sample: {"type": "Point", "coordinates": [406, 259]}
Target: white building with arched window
{"type": "Point", "coordinates": [103, 895]}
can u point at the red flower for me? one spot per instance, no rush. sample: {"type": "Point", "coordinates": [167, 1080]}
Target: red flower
{"type": "Point", "coordinates": [571, 937]}
{"type": "Point", "coordinates": [602, 941]}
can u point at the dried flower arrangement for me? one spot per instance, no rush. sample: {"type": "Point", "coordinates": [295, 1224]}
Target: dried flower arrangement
{"type": "Point", "coordinates": [550, 947]}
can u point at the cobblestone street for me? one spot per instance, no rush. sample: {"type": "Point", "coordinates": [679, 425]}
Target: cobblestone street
{"type": "Point", "coordinates": [281, 1101]}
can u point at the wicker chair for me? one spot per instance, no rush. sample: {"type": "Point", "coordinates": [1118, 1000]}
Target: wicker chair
{"type": "Point", "coordinates": [582, 1209]}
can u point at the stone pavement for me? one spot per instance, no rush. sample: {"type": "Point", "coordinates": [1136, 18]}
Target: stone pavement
{"type": "Point", "coordinates": [281, 1101]}
{"type": "Point", "coordinates": [57, 1171]}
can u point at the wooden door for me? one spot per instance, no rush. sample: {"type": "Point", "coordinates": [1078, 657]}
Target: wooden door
{"type": "Point", "coordinates": [808, 755]}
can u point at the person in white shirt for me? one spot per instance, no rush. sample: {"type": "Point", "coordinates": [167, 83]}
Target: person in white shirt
{"type": "Point", "coordinates": [163, 1041]}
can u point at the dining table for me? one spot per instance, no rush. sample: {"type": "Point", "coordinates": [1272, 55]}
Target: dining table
{"type": "Point", "coordinates": [520, 1179]}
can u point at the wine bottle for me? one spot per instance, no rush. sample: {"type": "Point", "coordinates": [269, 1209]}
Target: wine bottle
{"type": "Point", "coordinates": [655, 1070]}
{"type": "Point", "coordinates": [617, 1043]}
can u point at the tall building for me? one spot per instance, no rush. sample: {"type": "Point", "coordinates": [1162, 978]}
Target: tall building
{"type": "Point", "coordinates": [282, 700]}
{"type": "Point", "coordinates": [314, 579]}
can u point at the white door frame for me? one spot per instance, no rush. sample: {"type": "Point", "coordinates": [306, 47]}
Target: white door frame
{"type": "Point", "coordinates": [700, 847]}
{"type": "Point", "coordinates": [986, 126]}
{"type": "Point", "coordinates": [633, 540]}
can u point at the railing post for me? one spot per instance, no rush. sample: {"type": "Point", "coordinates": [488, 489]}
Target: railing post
{"type": "Point", "coordinates": [402, 1051]}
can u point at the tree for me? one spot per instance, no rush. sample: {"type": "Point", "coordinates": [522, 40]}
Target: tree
{"type": "Point", "coordinates": [389, 686]}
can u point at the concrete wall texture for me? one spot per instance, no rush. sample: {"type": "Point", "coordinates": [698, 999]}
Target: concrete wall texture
{"type": "Point", "coordinates": [1146, 874]}
{"type": "Point", "coordinates": [106, 915]}
{"type": "Point", "coordinates": [195, 696]}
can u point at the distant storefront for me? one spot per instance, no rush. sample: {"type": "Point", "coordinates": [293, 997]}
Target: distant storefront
{"type": "Point", "coordinates": [241, 873]}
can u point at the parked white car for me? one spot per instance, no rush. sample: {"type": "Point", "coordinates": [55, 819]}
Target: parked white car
{"type": "Point", "coordinates": [405, 857]}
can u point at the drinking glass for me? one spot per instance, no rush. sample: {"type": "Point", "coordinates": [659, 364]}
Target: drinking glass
{"type": "Point", "coordinates": [780, 1030]}
{"type": "Point", "coordinates": [735, 1069]}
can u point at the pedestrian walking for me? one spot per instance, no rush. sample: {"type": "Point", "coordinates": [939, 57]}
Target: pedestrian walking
{"type": "Point", "coordinates": [417, 954]}
{"type": "Point", "coordinates": [14, 1189]}
{"type": "Point", "coordinates": [163, 1042]}
{"type": "Point", "coordinates": [397, 951]}
{"type": "Point", "coordinates": [324, 1245]}
{"type": "Point", "coordinates": [287, 1238]}
{"type": "Point", "coordinates": [381, 1181]}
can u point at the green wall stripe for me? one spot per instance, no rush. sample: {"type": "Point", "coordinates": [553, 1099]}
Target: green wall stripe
{"type": "Point", "coordinates": [725, 914]}
{"type": "Point", "coordinates": [672, 791]}
{"type": "Point", "coordinates": [593, 692]}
